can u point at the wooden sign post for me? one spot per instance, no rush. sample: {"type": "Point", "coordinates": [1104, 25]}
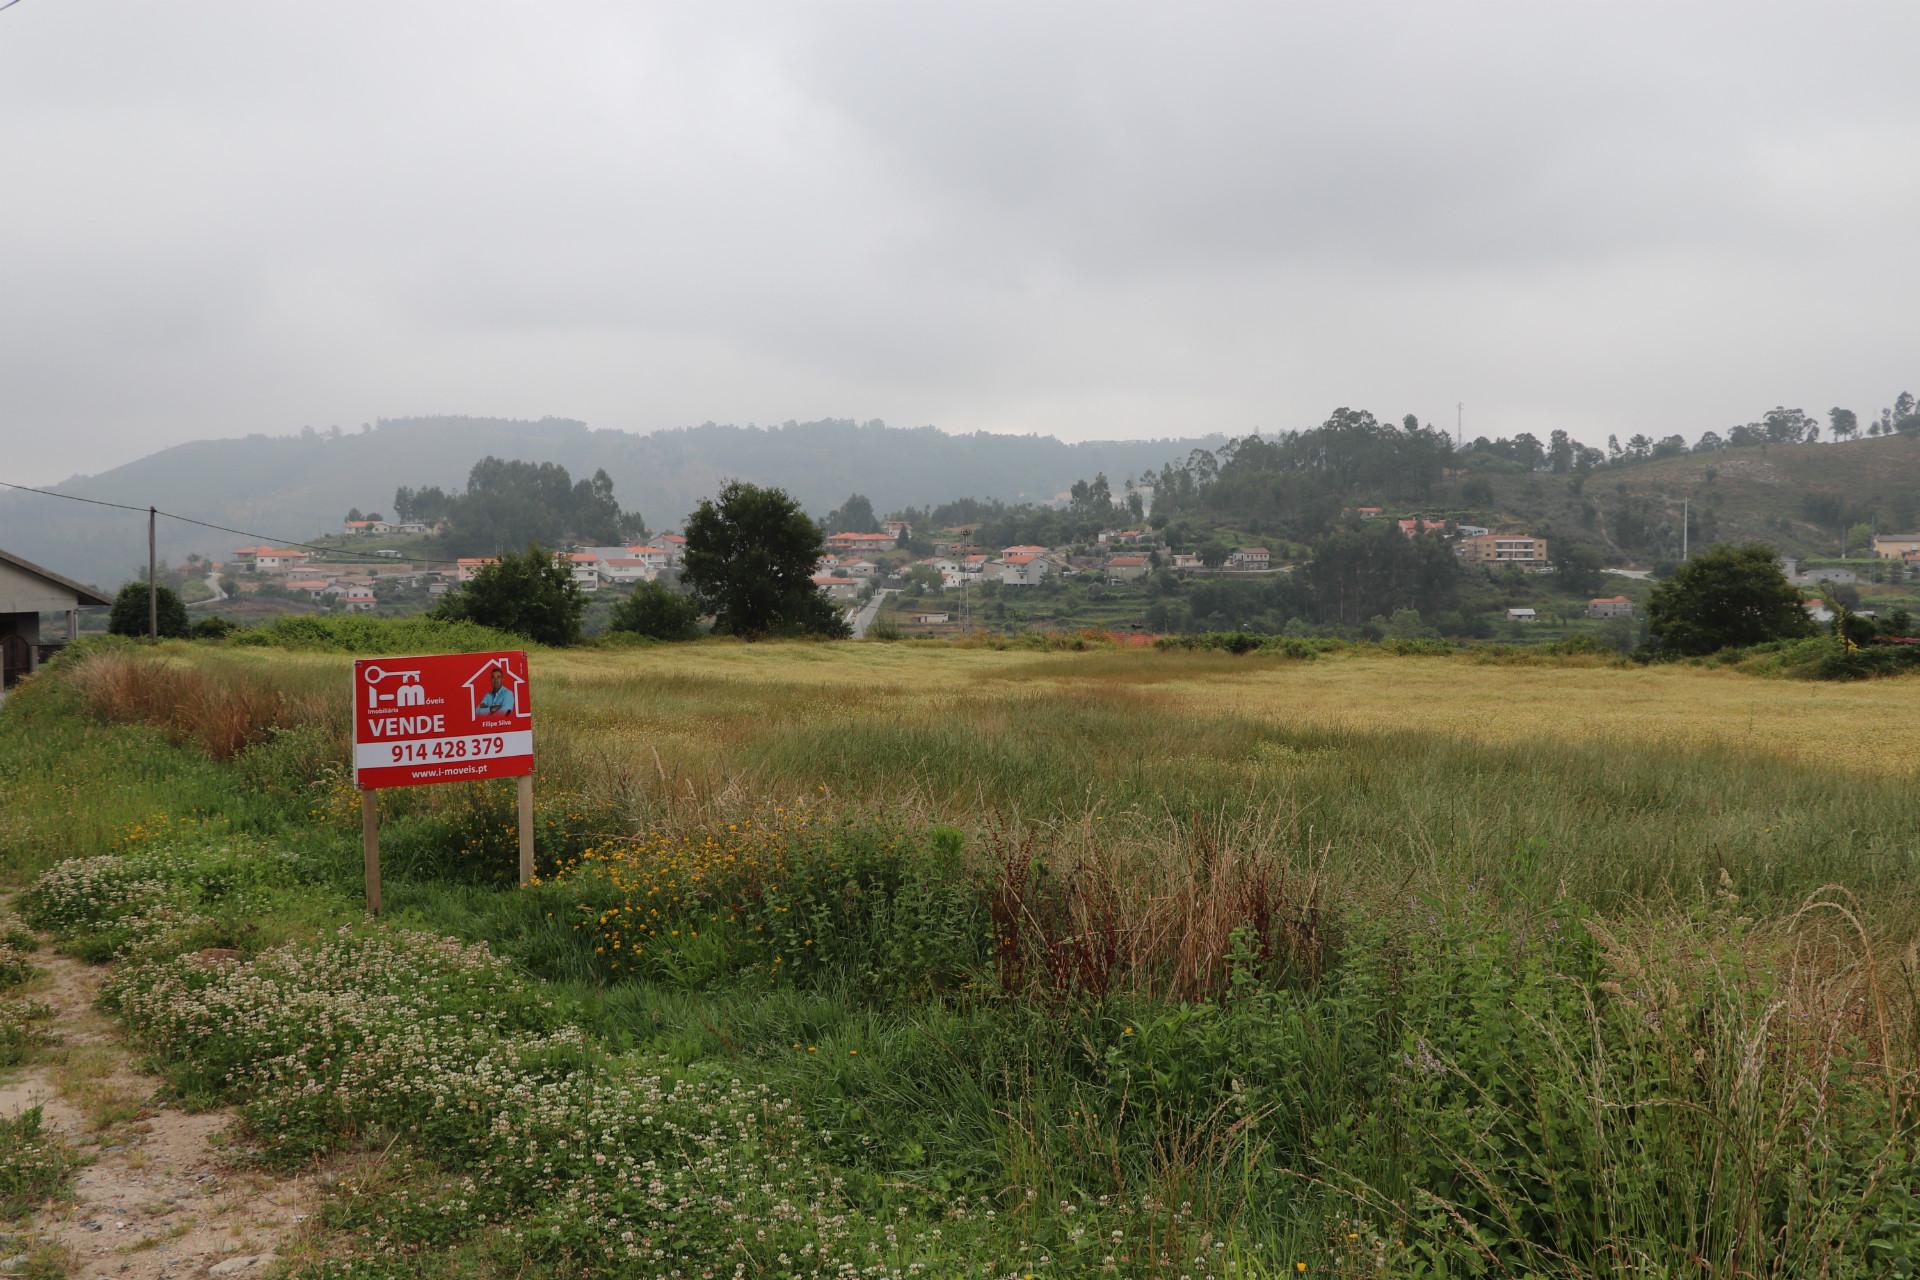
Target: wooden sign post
{"type": "Point", "coordinates": [443, 718]}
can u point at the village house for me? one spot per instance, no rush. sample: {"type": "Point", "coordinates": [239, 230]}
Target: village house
{"type": "Point", "coordinates": [465, 569]}
{"type": "Point", "coordinates": [838, 589]}
{"type": "Point", "coordinates": [1814, 577]}
{"type": "Point", "coordinates": [1471, 530]}
{"type": "Point", "coordinates": [1896, 546]}
{"type": "Point", "coordinates": [1248, 558]}
{"type": "Point", "coordinates": [279, 559]}
{"type": "Point", "coordinates": [897, 529]}
{"type": "Point", "coordinates": [315, 587]}
{"type": "Point", "coordinates": [1127, 568]}
{"type": "Point", "coordinates": [674, 545]}
{"type": "Point", "coordinates": [1504, 548]}
{"type": "Point", "coordinates": [1125, 537]}
{"type": "Point", "coordinates": [1025, 569]}
{"type": "Point", "coordinates": [1365, 513]}
{"type": "Point", "coordinates": [1522, 615]}
{"type": "Point", "coordinates": [655, 558]}
{"type": "Point", "coordinates": [354, 597]}
{"type": "Point", "coordinates": [927, 619]}
{"type": "Point", "coordinates": [26, 592]}
{"type": "Point", "coordinates": [1414, 526]}
{"type": "Point", "coordinates": [860, 541]}
{"type": "Point", "coordinates": [1609, 607]}
{"type": "Point", "coordinates": [1185, 560]}
{"type": "Point", "coordinates": [625, 570]}
{"type": "Point", "coordinates": [859, 569]}
{"type": "Point", "coordinates": [364, 528]}
{"type": "Point", "coordinates": [583, 567]}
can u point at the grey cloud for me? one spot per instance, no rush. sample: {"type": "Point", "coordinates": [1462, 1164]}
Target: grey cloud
{"type": "Point", "coordinates": [1086, 219]}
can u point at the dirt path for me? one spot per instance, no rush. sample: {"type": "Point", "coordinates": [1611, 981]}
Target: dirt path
{"type": "Point", "coordinates": [161, 1197]}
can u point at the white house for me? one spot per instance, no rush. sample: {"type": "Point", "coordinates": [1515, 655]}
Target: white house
{"type": "Point", "coordinates": [1522, 615]}
{"type": "Point", "coordinates": [624, 571]}
{"type": "Point", "coordinates": [653, 557]}
{"type": "Point", "coordinates": [1248, 558]}
{"type": "Point", "coordinates": [1185, 560]}
{"type": "Point", "coordinates": [584, 566]}
{"type": "Point", "coordinates": [279, 559]}
{"type": "Point", "coordinates": [1126, 568]}
{"type": "Point", "coordinates": [1024, 570]}
{"type": "Point", "coordinates": [859, 569]}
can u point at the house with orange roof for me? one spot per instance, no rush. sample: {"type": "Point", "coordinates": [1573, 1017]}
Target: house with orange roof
{"type": "Point", "coordinates": [861, 541]}
{"type": "Point", "coordinates": [582, 566]}
{"type": "Point", "coordinates": [1609, 607]}
{"type": "Point", "coordinates": [1024, 569]}
{"type": "Point", "coordinates": [279, 559]}
{"type": "Point", "coordinates": [465, 569]}
{"type": "Point", "coordinates": [1127, 568]}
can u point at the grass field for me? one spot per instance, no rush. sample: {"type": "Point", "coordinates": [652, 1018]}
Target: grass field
{"type": "Point", "coordinates": [973, 961]}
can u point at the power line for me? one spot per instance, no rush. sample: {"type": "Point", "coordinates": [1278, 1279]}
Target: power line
{"type": "Point", "coordinates": [343, 558]}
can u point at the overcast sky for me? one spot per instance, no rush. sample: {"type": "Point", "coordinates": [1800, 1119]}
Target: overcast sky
{"type": "Point", "coordinates": [1099, 220]}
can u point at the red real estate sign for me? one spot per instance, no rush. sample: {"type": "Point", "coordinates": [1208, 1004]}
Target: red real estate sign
{"type": "Point", "coordinates": [446, 718]}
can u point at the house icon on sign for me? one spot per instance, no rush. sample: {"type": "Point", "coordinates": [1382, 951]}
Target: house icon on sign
{"type": "Point", "coordinates": [480, 684]}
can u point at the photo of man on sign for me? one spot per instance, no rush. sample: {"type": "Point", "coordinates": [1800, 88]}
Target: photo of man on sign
{"type": "Point", "coordinates": [499, 699]}
{"type": "Point", "coordinates": [496, 690]}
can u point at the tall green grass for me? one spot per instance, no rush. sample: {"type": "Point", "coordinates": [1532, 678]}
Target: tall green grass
{"type": "Point", "coordinates": [1249, 994]}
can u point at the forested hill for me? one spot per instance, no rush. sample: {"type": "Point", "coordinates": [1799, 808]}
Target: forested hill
{"type": "Point", "coordinates": [1805, 499]}
{"type": "Point", "coordinates": [296, 486]}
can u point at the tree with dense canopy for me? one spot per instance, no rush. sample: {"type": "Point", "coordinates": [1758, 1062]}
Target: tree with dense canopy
{"type": "Point", "coordinates": [1726, 597]}
{"type": "Point", "coordinates": [855, 515]}
{"type": "Point", "coordinates": [513, 503]}
{"type": "Point", "coordinates": [129, 614]}
{"type": "Point", "coordinates": [750, 559]}
{"type": "Point", "coordinates": [529, 593]}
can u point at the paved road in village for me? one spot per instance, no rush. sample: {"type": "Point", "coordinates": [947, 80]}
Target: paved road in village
{"type": "Point", "coordinates": [868, 612]}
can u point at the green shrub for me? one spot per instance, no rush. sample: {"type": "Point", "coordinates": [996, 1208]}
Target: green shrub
{"type": "Point", "coordinates": [34, 1166]}
{"type": "Point", "coordinates": [367, 636]}
{"type": "Point", "coordinates": [23, 1028]}
{"type": "Point", "coordinates": [213, 628]}
{"type": "Point", "coordinates": [656, 611]}
{"type": "Point", "coordinates": [132, 611]}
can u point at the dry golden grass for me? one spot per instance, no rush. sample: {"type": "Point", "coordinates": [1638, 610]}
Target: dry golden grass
{"type": "Point", "coordinates": [693, 696]}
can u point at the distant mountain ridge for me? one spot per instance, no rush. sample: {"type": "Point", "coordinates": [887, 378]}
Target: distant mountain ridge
{"type": "Point", "coordinates": [294, 487]}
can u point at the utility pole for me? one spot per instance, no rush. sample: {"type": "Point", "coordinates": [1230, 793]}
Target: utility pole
{"type": "Point", "coordinates": [153, 580]}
